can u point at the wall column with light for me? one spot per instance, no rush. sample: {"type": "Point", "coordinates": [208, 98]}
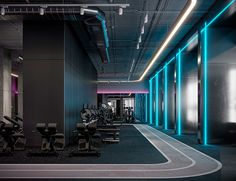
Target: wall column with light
{"type": "Point", "coordinates": [165, 97]}
{"type": "Point", "coordinates": [150, 102]}
{"type": "Point", "coordinates": [157, 100]}
{"type": "Point", "coordinates": [178, 93]}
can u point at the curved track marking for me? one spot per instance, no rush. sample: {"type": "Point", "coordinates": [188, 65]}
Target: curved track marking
{"type": "Point", "coordinates": [183, 161]}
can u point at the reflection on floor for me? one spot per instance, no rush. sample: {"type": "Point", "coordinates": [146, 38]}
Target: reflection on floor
{"type": "Point", "coordinates": [183, 162]}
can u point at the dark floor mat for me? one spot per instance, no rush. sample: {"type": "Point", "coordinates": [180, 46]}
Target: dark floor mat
{"type": "Point", "coordinates": [133, 148]}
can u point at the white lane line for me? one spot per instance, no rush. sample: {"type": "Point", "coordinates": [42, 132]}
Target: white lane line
{"type": "Point", "coordinates": [218, 167]}
{"type": "Point", "coordinates": [126, 166]}
{"type": "Point", "coordinates": [193, 162]}
{"type": "Point", "coordinates": [219, 163]}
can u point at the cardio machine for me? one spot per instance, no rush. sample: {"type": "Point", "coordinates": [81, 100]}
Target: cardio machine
{"type": "Point", "coordinates": [11, 136]}
{"type": "Point", "coordinates": [129, 115]}
{"type": "Point", "coordinates": [51, 140]}
{"type": "Point", "coordinates": [88, 138]}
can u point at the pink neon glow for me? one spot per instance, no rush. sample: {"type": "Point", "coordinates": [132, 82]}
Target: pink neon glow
{"type": "Point", "coordinates": [122, 92]}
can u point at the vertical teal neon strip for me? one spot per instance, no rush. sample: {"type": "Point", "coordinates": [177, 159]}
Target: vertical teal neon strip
{"type": "Point", "coordinates": [150, 101]}
{"type": "Point", "coordinates": [166, 99]}
{"type": "Point", "coordinates": [179, 129]}
{"type": "Point", "coordinates": [157, 101]}
{"type": "Point", "coordinates": [146, 108]}
{"type": "Point", "coordinates": [205, 86]}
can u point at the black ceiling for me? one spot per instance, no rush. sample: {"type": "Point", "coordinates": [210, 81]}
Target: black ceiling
{"type": "Point", "coordinates": [123, 32]}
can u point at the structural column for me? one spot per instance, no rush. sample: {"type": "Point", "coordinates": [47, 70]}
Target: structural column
{"type": "Point", "coordinates": [43, 68]}
{"type": "Point", "coordinates": [5, 83]}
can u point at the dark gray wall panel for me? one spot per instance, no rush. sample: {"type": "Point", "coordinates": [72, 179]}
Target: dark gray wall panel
{"type": "Point", "coordinates": [80, 81]}
{"type": "Point", "coordinates": [221, 82]}
{"type": "Point", "coordinates": [43, 71]}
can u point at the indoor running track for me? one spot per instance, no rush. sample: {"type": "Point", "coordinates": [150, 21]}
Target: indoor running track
{"type": "Point", "coordinates": [183, 161]}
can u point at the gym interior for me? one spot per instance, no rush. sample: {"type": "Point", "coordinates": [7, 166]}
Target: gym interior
{"type": "Point", "coordinates": [118, 90]}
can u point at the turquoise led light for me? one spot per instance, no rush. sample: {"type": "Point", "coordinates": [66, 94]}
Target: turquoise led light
{"type": "Point", "coordinates": [157, 102]}
{"type": "Point", "coordinates": [150, 101]}
{"type": "Point", "coordinates": [205, 79]}
{"type": "Point", "coordinates": [146, 108]}
{"type": "Point", "coordinates": [166, 99]}
{"type": "Point", "coordinates": [219, 14]}
{"type": "Point", "coordinates": [179, 129]}
{"type": "Point", "coordinates": [205, 82]}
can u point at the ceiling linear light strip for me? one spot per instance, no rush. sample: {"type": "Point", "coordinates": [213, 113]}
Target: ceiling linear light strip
{"type": "Point", "coordinates": [196, 36]}
{"type": "Point", "coordinates": [184, 15]}
{"type": "Point", "coordinates": [170, 36]}
{"type": "Point", "coordinates": [173, 58]}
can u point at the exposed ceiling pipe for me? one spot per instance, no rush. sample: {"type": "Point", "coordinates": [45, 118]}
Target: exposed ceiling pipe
{"type": "Point", "coordinates": [101, 18]}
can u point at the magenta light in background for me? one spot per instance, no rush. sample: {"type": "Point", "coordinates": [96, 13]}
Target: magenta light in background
{"type": "Point", "coordinates": [122, 92]}
{"type": "Point", "coordinates": [14, 85]}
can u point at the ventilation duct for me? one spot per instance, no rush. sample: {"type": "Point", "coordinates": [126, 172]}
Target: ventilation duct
{"type": "Point", "coordinates": [97, 26]}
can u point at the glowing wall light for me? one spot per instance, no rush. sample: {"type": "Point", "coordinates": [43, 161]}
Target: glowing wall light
{"type": "Point", "coordinates": [232, 96]}
{"type": "Point", "coordinates": [157, 101]}
{"type": "Point", "coordinates": [205, 84]}
{"type": "Point", "coordinates": [146, 108]}
{"type": "Point", "coordinates": [166, 98]}
{"type": "Point", "coordinates": [150, 101]}
{"type": "Point", "coordinates": [179, 116]}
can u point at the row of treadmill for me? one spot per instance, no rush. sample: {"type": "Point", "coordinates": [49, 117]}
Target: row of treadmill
{"type": "Point", "coordinates": [97, 126]}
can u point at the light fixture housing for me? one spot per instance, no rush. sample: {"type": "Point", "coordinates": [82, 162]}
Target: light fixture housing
{"type": "Point", "coordinates": [81, 11]}
{"type": "Point", "coordinates": [120, 11]}
{"type": "Point", "coordinates": [142, 30]}
{"type": "Point", "coordinates": [20, 58]}
{"type": "Point", "coordinates": [137, 46]}
{"type": "Point", "coordinates": [140, 39]}
{"type": "Point", "coordinates": [146, 18]}
{"type": "Point", "coordinates": [41, 11]}
{"type": "Point", "coordinates": [3, 11]}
